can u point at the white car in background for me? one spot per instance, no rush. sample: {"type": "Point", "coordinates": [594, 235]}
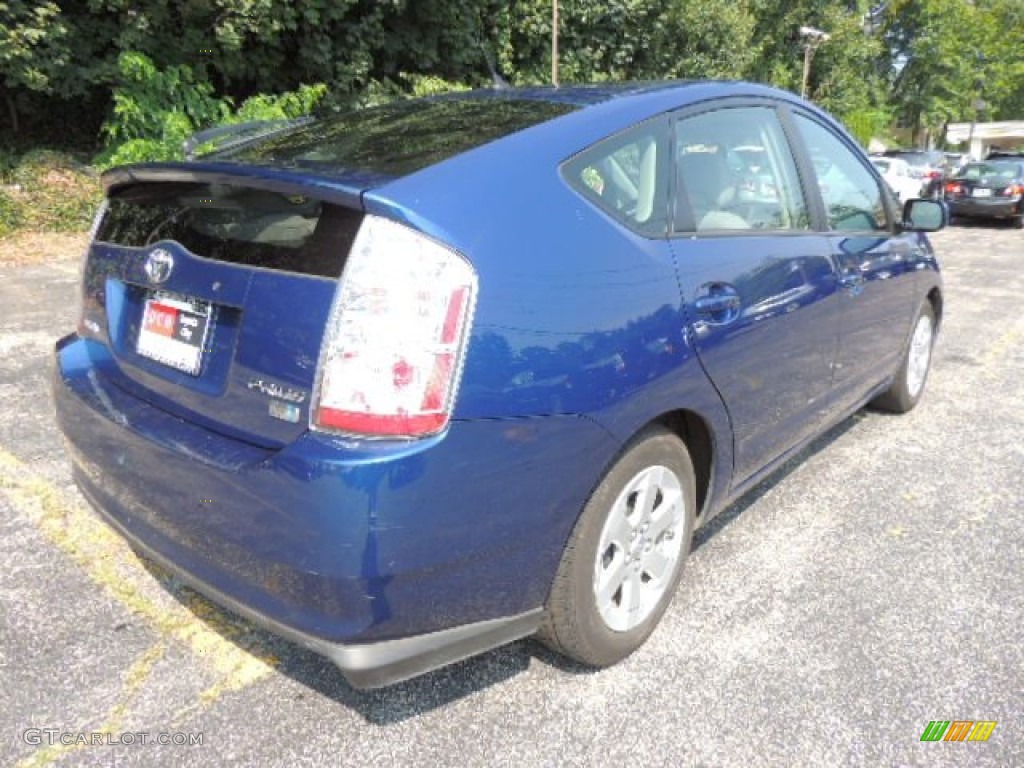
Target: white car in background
{"type": "Point", "coordinates": [896, 173]}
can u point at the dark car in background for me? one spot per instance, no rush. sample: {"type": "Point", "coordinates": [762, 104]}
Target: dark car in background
{"type": "Point", "coordinates": [411, 382]}
{"type": "Point", "coordinates": [927, 165]}
{"type": "Point", "coordinates": [993, 189]}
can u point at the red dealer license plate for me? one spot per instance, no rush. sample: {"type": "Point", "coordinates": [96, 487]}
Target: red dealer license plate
{"type": "Point", "coordinates": [174, 330]}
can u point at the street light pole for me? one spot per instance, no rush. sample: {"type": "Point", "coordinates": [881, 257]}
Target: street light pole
{"type": "Point", "coordinates": [976, 106]}
{"type": "Point", "coordinates": [808, 54]}
{"type": "Point", "coordinates": [812, 39]}
{"type": "Point", "coordinates": [554, 42]}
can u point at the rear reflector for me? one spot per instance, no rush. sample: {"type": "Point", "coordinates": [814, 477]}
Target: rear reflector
{"type": "Point", "coordinates": [396, 337]}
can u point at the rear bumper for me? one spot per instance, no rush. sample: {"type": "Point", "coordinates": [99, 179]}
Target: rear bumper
{"type": "Point", "coordinates": [368, 665]}
{"type": "Point", "coordinates": [986, 208]}
{"type": "Point", "coordinates": [390, 559]}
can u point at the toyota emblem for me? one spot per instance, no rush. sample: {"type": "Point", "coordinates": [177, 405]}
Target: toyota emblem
{"type": "Point", "coordinates": [159, 265]}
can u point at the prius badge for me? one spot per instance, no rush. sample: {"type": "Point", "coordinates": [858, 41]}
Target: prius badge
{"type": "Point", "coordinates": [159, 264]}
{"type": "Point", "coordinates": [287, 407]}
{"type": "Point", "coordinates": [289, 394]}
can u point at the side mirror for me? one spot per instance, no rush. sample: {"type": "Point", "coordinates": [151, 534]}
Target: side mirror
{"type": "Point", "coordinates": [924, 215]}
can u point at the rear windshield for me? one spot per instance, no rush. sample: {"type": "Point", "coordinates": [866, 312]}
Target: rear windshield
{"type": "Point", "coordinates": [915, 158]}
{"type": "Point", "coordinates": [911, 158]}
{"type": "Point", "coordinates": [245, 226]}
{"type": "Point", "coordinates": [990, 171]}
{"type": "Point", "coordinates": [401, 137]}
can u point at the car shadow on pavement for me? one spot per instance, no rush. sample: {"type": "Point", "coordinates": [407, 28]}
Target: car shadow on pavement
{"type": "Point", "coordinates": [380, 706]}
{"type": "Point", "coordinates": [436, 689]}
{"type": "Point", "coordinates": [728, 515]}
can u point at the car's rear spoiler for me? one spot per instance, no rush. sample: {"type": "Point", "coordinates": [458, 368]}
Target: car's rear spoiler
{"type": "Point", "coordinates": [341, 186]}
{"type": "Point", "coordinates": [224, 137]}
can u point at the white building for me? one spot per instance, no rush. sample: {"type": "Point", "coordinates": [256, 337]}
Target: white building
{"type": "Point", "coordinates": [984, 136]}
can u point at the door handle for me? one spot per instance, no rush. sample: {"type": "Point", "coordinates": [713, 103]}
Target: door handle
{"type": "Point", "coordinates": [716, 303]}
{"type": "Point", "coordinates": [719, 304]}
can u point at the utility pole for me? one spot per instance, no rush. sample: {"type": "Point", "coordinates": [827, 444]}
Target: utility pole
{"type": "Point", "coordinates": [554, 42]}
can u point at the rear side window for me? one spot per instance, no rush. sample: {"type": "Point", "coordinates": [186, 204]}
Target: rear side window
{"type": "Point", "coordinates": [240, 225]}
{"type": "Point", "coordinates": [625, 176]}
{"type": "Point", "coordinates": [735, 172]}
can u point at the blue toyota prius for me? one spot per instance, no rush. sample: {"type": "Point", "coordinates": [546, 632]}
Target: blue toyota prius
{"type": "Point", "coordinates": [411, 382]}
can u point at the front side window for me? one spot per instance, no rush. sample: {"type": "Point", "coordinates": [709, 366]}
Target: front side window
{"type": "Point", "coordinates": [734, 171]}
{"type": "Point", "coordinates": [624, 176]}
{"type": "Point", "coordinates": [853, 199]}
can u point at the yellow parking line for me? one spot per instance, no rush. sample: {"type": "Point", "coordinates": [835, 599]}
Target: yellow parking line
{"type": "Point", "coordinates": [225, 642]}
{"type": "Point", "coordinates": [134, 678]}
{"type": "Point", "coordinates": [997, 353]}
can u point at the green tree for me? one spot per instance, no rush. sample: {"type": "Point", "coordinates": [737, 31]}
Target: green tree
{"type": "Point", "coordinates": [33, 51]}
{"type": "Point", "coordinates": [950, 53]}
{"type": "Point", "coordinates": [625, 39]}
{"type": "Point", "coordinates": [845, 76]}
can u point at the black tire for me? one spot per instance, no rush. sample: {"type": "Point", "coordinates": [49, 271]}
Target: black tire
{"type": "Point", "coordinates": [905, 391]}
{"type": "Point", "coordinates": [573, 623]}
{"type": "Point", "coordinates": [1017, 222]}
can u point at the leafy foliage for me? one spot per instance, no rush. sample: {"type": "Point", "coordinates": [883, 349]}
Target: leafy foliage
{"type": "Point", "coordinates": [47, 191]}
{"type": "Point", "coordinates": [156, 110]}
{"type": "Point", "coordinates": [949, 54]}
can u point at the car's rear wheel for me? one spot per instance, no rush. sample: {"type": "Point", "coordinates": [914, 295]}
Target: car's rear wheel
{"type": "Point", "coordinates": [623, 561]}
{"type": "Point", "coordinates": [908, 386]}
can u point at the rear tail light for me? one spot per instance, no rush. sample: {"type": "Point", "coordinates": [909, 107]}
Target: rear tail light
{"type": "Point", "coordinates": [396, 337]}
{"type": "Point", "coordinates": [953, 189]}
{"type": "Point", "coordinates": [933, 174]}
{"type": "Point", "coordinates": [1014, 189]}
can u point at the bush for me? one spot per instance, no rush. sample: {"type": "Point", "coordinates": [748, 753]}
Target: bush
{"type": "Point", "coordinates": [11, 214]}
{"type": "Point", "coordinates": [156, 110]}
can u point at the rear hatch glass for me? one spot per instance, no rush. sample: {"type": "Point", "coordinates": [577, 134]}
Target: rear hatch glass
{"type": "Point", "coordinates": [238, 225]}
{"type": "Point", "coordinates": [212, 299]}
{"type": "Point", "coordinates": [401, 137]}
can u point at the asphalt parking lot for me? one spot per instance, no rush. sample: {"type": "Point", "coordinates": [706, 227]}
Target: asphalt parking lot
{"type": "Point", "coordinates": [872, 586]}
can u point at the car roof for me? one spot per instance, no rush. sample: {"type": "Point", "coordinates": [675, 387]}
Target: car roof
{"type": "Point", "coordinates": [581, 95]}
{"type": "Point", "coordinates": [401, 137]}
